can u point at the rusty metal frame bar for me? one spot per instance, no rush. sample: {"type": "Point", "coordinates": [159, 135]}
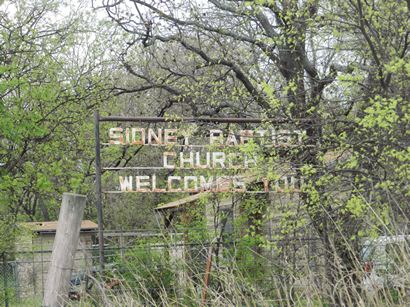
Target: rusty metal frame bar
{"type": "Point", "coordinates": [223, 120]}
{"type": "Point", "coordinates": [98, 171]}
{"type": "Point", "coordinates": [216, 146]}
{"type": "Point", "coordinates": [291, 191]}
{"type": "Point", "coordinates": [142, 168]}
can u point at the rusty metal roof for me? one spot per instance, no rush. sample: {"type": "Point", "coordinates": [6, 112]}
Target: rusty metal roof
{"type": "Point", "coordinates": [177, 203]}
{"type": "Point", "coordinates": [189, 199]}
{"type": "Point", "coordinates": [51, 226]}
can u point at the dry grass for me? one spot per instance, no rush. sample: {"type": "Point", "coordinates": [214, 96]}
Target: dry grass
{"type": "Point", "coordinates": [166, 281]}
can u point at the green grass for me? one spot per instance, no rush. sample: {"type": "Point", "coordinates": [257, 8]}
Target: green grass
{"type": "Point", "coordinates": [27, 302]}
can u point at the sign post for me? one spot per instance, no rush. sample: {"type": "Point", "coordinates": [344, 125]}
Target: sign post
{"type": "Point", "coordinates": [98, 191]}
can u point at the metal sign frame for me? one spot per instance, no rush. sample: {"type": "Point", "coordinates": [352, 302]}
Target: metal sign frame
{"type": "Point", "coordinates": [98, 168]}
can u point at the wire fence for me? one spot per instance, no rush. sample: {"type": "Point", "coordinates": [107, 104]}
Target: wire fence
{"type": "Point", "coordinates": [24, 274]}
{"type": "Point", "coordinates": [149, 263]}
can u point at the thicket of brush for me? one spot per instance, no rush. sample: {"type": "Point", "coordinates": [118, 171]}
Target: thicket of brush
{"type": "Point", "coordinates": [287, 273]}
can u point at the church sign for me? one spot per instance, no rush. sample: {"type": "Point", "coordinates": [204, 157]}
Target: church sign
{"type": "Point", "coordinates": [221, 151]}
{"type": "Point", "coordinates": [213, 160]}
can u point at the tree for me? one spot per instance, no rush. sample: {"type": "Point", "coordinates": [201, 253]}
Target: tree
{"type": "Point", "coordinates": [50, 82]}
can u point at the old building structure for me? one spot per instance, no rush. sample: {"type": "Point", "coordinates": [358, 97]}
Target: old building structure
{"type": "Point", "coordinates": [33, 254]}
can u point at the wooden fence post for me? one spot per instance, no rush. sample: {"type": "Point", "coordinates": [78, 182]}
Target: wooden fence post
{"type": "Point", "coordinates": [64, 250]}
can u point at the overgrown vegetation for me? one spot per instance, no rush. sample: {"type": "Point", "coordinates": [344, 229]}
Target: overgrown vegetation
{"type": "Point", "coordinates": [166, 272]}
{"type": "Point", "coordinates": [337, 70]}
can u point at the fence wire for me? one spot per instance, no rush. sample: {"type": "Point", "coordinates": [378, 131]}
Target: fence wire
{"type": "Point", "coordinates": [151, 265]}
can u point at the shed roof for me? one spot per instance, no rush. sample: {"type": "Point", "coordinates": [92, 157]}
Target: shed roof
{"type": "Point", "coordinates": [51, 226]}
{"type": "Point", "coordinates": [177, 203]}
{"type": "Point", "coordinates": [189, 199]}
